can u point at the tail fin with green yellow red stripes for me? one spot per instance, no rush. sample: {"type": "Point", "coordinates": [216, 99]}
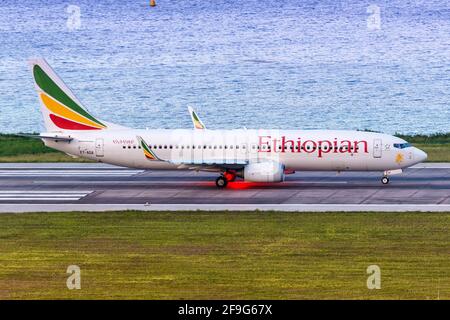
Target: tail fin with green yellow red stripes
{"type": "Point", "coordinates": [59, 106]}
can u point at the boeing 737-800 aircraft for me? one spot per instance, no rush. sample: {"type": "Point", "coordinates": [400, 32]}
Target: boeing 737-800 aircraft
{"type": "Point", "coordinates": [254, 155]}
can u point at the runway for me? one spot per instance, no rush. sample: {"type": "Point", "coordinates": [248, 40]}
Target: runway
{"type": "Point", "coordinates": [98, 187]}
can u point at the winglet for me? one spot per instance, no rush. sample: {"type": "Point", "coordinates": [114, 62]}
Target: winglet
{"type": "Point", "coordinates": [198, 124]}
{"type": "Point", "coordinates": [149, 154]}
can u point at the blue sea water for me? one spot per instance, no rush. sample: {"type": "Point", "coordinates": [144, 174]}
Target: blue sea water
{"type": "Point", "coordinates": [258, 64]}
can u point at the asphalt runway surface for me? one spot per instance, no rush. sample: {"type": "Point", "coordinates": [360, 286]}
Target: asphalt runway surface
{"type": "Point", "coordinates": [98, 187]}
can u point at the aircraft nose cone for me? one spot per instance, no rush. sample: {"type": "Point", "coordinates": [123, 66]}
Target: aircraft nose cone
{"type": "Point", "coordinates": [420, 156]}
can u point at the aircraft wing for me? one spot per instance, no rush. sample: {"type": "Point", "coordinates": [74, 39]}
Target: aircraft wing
{"type": "Point", "coordinates": [198, 124]}
{"type": "Point", "coordinates": [210, 165]}
{"type": "Point", "coordinates": [200, 165]}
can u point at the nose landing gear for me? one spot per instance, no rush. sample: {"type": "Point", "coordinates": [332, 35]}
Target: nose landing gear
{"type": "Point", "coordinates": [386, 173]}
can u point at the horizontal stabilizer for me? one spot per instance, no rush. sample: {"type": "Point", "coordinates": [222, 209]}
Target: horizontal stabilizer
{"type": "Point", "coordinates": [56, 137]}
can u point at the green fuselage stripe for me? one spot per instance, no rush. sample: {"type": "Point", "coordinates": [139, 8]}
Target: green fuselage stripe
{"type": "Point", "coordinates": [52, 89]}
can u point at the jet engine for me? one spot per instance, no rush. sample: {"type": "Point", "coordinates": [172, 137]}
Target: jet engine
{"type": "Point", "coordinates": [264, 172]}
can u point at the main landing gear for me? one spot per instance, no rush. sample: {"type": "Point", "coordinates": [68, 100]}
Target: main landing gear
{"type": "Point", "coordinates": [222, 181]}
{"type": "Point", "coordinates": [385, 180]}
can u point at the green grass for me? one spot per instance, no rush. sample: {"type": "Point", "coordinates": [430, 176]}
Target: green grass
{"type": "Point", "coordinates": [437, 138]}
{"type": "Point", "coordinates": [435, 152]}
{"type": "Point", "coordinates": [21, 149]}
{"type": "Point", "coordinates": [42, 157]}
{"type": "Point", "coordinates": [12, 145]}
{"type": "Point", "coordinates": [437, 146]}
{"type": "Point", "coordinates": [15, 148]}
{"type": "Point", "coordinates": [220, 255]}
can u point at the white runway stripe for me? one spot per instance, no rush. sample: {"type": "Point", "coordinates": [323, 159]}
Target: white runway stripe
{"type": "Point", "coordinates": [44, 192]}
{"type": "Point", "coordinates": [63, 170]}
{"type": "Point", "coordinates": [173, 182]}
{"type": "Point", "coordinates": [340, 208]}
{"type": "Point", "coordinates": [40, 172]}
{"type": "Point", "coordinates": [39, 199]}
{"type": "Point", "coordinates": [79, 195]}
{"type": "Point", "coordinates": [46, 195]}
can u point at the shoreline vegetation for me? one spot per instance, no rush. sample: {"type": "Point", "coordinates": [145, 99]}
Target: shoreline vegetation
{"type": "Point", "coordinates": [224, 255]}
{"type": "Point", "coordinates": [14, 148]}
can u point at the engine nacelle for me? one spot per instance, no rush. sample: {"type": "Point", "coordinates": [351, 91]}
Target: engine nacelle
{"type": "Point", "coordinates": [264, 172]}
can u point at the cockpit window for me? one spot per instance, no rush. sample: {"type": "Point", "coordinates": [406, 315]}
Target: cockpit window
{"type": "Point", "coordinates": [402, 145]}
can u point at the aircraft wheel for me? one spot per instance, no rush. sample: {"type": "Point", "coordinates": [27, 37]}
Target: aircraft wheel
{"type": "Point", "coordinates": [221, 182]}
{"type": "Point", "coordinates": [385, 180]}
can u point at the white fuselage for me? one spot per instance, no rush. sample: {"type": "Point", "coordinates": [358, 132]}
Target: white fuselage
{"type": "Point", "coordinates": [332, 150]}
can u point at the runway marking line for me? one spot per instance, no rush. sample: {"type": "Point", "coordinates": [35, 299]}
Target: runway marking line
{"type": "Point", "coordinates": [44, 195]}
{"type": "Point", "coordinates": [9, 208]}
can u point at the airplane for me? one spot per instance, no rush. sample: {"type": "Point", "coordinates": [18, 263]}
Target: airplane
{"type": "Point", "coordinates": [263, 155]}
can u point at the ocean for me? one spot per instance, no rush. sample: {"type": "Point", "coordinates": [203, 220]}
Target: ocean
{"type": "Point", "coordinates": [379, 65]}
